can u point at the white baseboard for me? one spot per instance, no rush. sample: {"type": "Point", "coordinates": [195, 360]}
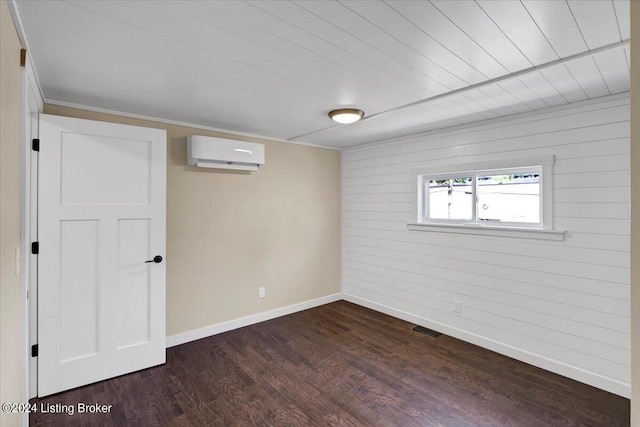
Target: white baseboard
{"type": "Point", "coordinates": [588, 377]}
{"type": "Point", "coordinates": [249, 320]}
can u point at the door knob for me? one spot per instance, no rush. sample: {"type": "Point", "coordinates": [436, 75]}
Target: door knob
{"type": "Point", "coordinates": [157, 259]}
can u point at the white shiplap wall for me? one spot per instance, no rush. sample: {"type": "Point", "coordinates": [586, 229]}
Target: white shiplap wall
{"type": "Point", "coordinates": [563, 306]}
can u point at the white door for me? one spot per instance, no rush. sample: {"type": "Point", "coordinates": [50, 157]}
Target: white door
{"type": "Point", "coordinates": [101, 217]}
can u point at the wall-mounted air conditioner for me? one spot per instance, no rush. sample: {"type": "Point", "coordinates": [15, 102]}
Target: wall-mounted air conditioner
{"type": "Point", "coordinates": [220, 153]}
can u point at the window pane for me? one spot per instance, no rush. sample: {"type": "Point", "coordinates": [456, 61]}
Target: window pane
{"type": "Point", "coordinates": [450, 198]}
{"type": "Point", "coordinates": [509, 198]}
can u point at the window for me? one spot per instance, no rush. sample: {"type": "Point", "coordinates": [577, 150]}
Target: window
{"type": "Point", "coordinates": [449, 198]}
{"type": "Point", "coordinates": [500, 195]}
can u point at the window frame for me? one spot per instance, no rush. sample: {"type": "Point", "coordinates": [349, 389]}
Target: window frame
{"type": "Point", "coordinates": [425, 198]}
{"type": "Point", "coordinates": [540, 164]}
{"type": "Point", "coordinates": [475, 200]}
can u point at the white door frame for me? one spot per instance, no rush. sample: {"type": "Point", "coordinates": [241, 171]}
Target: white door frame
{"type": "Point", "coordinates": [32, 104]}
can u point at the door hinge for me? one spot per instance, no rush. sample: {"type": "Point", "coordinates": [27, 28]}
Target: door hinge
{"type": "Point", "coordinates": [34, 350]}
{"type": "Point", "coordinates": [23, 57]}
{"type": "Point", "coordinates": [35, 248]}
{"type": "Point", "coordinates": [35, 144]}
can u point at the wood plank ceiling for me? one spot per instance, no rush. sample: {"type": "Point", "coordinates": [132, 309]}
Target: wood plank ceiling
{"type": "Point", "coordinates": [275, 68]}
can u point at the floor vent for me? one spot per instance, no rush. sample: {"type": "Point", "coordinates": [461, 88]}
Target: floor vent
{"type": "Point", "coordinates": [427, 331]}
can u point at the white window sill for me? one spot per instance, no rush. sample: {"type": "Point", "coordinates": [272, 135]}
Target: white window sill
{"type": "Point", "coordinates": [486, 230]}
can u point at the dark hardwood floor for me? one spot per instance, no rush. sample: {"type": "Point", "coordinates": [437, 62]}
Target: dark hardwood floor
{"type": "Point", "coordinates": [339, 364]}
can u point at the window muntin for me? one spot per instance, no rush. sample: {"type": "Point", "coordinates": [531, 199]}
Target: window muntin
{"type": "Point", "coordinates": [498, 197]}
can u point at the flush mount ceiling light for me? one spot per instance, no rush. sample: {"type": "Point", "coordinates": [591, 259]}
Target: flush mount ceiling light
{"type": "Point", "coordinates": [346, 115]}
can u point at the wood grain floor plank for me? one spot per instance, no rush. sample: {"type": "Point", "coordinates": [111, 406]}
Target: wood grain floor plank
{"type": "Point", "coordinates": [338, 365]}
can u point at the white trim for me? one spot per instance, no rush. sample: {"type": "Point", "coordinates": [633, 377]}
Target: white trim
{"type": "Point", "coordinates": [33, 107]}
{"type": "Point", "coordinates": [15, 14]}
{"type": "Point", "coordinates": [546, 199]}
{"type": "Point", "coordinates": [249, 320]}
{"type": "Point", "coordinates": [32, 104]}
{"type": "Point", "coordinates": [32, 81]}
{"type": "Point", "coordinates": [17, 21]}
{"type": "Point", "coordinates": [487, 230]}
{"type": "Point", "coordinates": [535, 68]}
{"type": "Point", "coordinates": [25, 236]}
{"type": "Point", "coordinates": [180, 123]}
{"type": "Point", "coordinates": [494, 163]}
{"type": "Point", "coordinates": [574, 372]}
{"type": "Point", "coordinates": [524, 117]}
{"type": "Point", "coordinates": [31, 91]}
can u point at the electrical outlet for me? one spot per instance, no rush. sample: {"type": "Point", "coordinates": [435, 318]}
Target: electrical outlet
{"type": "Point", "coordinates": [262, 292]}
{"type": "Point", "coordinates": [457, 306]}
